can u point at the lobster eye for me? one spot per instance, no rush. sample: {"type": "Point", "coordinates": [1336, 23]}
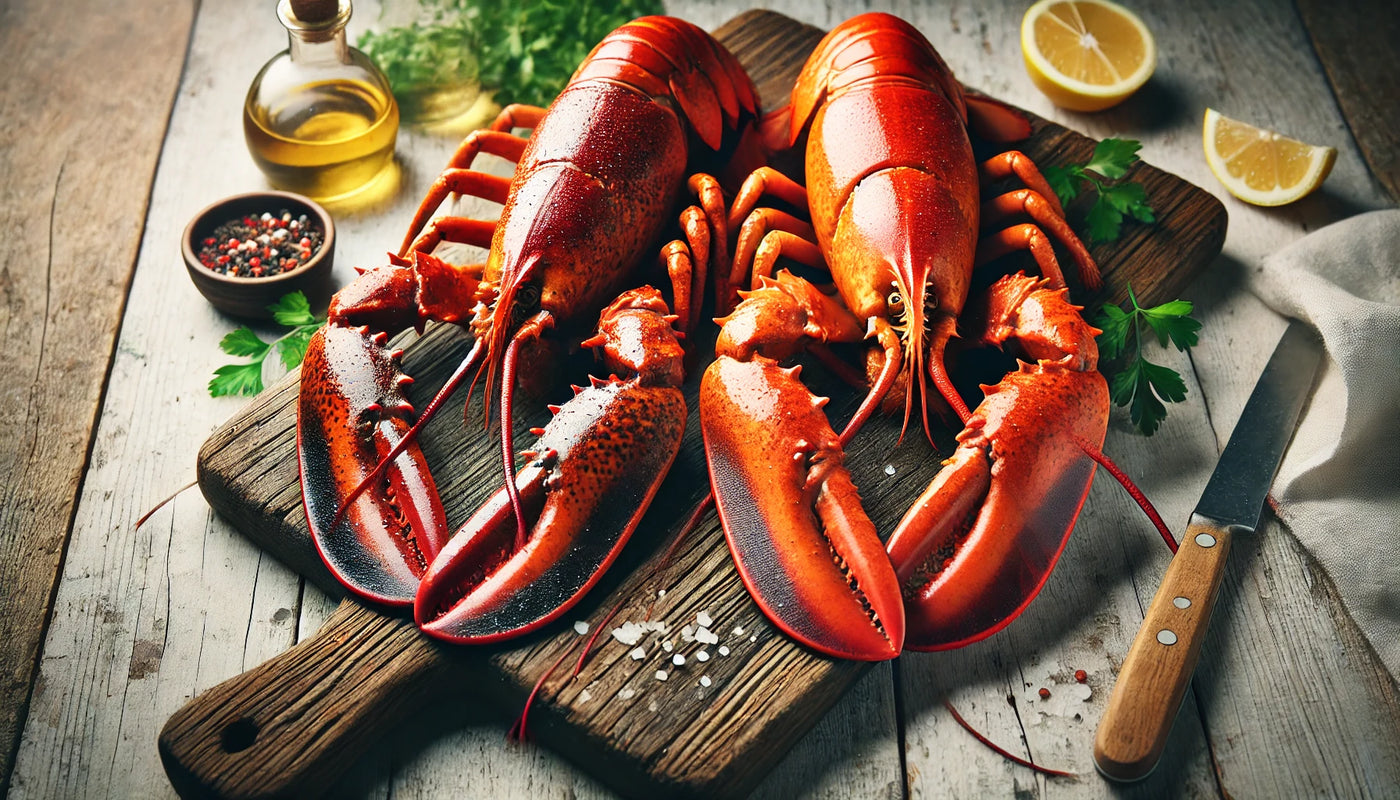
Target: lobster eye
{"type": "Point", "coordinates": [895, 300]}
{"type": "Point", "coordinates": [527, 301]}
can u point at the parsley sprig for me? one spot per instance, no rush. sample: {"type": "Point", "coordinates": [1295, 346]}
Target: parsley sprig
{"type": "Point", "coordinates": [1116, 200]}
{"type": "Point", "coordinates": [1136, 381]}
{"type": "Point", "coordinates": [293, 311]}
{"type": "Point", "coordinates": [525, 50]}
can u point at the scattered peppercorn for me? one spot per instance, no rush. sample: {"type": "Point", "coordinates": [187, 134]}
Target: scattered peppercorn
{"type": "Point", "coordinates": [1081, 676]}
{"type": "Point", "coordinates": [261, 246]}
{"type": "Point", "coordinates": [1044, 693]}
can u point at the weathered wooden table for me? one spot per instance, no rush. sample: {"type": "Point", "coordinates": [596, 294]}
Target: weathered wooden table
{"type": "Point", "coordinates": [118, 122]}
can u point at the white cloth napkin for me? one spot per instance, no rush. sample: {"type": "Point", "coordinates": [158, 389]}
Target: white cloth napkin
{"type": "Point", "coordinates": [1338, 488]}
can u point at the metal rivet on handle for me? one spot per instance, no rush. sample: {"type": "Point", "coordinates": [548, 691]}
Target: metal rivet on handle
{"type": "Point", "coordinates": [1205, 540]}
{"type": "Point", "coordinates": [1181, 602]}
{"type": "Point", "coordinates": [1166, 637]}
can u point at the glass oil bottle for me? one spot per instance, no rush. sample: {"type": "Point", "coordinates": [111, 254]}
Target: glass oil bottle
{"type": "Point", "coordinates": [319, 118]}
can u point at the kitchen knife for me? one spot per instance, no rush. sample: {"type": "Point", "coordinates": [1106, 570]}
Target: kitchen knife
{"type": "Point", "coordinates": [1158, 667]}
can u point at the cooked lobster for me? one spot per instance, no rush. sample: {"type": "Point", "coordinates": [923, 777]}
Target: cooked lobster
{"type": "Point", "coordinates": [892, 209]}
{"type": "Point", "coordinates": [656, 105]}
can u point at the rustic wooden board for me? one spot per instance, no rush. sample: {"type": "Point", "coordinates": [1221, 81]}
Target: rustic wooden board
{"type": "Point", "coordinates": [302, 717]}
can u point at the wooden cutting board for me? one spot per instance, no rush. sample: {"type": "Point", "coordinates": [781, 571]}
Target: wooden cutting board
{"type": "Point", "coordinates": [290, 726]}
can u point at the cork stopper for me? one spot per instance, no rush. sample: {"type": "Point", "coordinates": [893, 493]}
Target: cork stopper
{"type": "Point", "coordinates": [314, 11]}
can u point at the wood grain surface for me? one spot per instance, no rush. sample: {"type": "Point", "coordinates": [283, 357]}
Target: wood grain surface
{"type": "Point", "coordinates": [1355, 41]}
{"type": "Point", "coordinates": [76, 185]}
{"type": "Point", "coordinates": [684, 739]}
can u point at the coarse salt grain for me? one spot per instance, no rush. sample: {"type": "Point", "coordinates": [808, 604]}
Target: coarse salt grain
{"type": "Point", "coordinates": [678, 660]}
{"type": "Point", "coordinates": [703, 619]}
{"type": "Point", "coordinates": [626, 693]}
{"type": "Point", "coordinates": [667, 646]}
{"type": "Point", "coordinates": [724, 649]}
{"type": "Point", "coordinates": [702, 656]}
{"type": "Point", "coordinates": [584, 696]}
{"type": "Point", "coordinates": [706, 636]}
{"type": "Point", "coordinates": [580, 627]}
{"type": "Point", "coordinates": [629, 633]}
{"type": "Point", "coordinates": [738, 631]}
{"type": "Point", "coordinates": [639, 653]}
{"type": "Point", "coordinates": [661, 674]}
{"type": "Point", "coordinates": [660, 592]}
{"type": "Point", "coordinates": [705, 680]}
{"type": "Point", "coordinates": [688, 633]}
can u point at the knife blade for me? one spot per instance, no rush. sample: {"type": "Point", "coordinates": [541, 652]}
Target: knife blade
{"type": "Point", "coordinates": [1158, 667]}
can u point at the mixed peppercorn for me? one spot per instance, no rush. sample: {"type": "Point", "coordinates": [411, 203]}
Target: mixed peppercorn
{"type": "Point", "coordinates": [262, 246]}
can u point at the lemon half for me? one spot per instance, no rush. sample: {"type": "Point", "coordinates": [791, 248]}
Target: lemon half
{"type": "Point", "coordinates": [1260, 166]}
{"type": "Point", "coordinates": [1086, 55]}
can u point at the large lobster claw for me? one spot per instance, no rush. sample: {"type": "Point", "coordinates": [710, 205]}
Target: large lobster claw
{"type": "Point", "coordinates": [805, 548]}
{"type": "Point", "coordinates": [980, 542]}
{"type": "Point", "coordinates": [592, 476]}
{"type": "Point", "coordinates": [352, 413]}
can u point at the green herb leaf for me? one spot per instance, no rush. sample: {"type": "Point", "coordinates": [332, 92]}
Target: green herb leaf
{"type": "Point", "coordinates": [1133, 380]}
{"type": "Point", "coordinates": [1172, 321]}
{"type": "Point", "coordinates": [1105, 222]}
{"type": "Point", "coordinates": [237, 379]}
{"type": "Point", "coordinates": [1146, 411]}
{"type": "Point", "coordinates": [1115, 323]}
{"type": "Point", "coordinates": [1115, 201]}
{"type": "Point", "coordinates": [1064, 180]}
{"type": "Point", "coordinates": [292, 310]}
{"type": "Point", "coordinates": [292, 347]}
{"type": "Point", "coordinates": [1112, 157]}
{"type": "Point", "coordinates": [242, 341]}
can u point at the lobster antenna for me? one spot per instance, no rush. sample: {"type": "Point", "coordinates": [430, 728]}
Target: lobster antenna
{"type": "Point", "coordinates": [472, 360]}
{"type": "Point", "coordinates": [1146, 505]}
{"type": "Point", "coordinates": [531, 329]}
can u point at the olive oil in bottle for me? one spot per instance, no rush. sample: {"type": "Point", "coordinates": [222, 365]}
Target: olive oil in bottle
{"type": "Point", "coordinates": [319, 118]}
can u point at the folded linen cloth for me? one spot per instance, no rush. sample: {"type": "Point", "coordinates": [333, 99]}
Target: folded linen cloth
{"type": "Point", "coordinates": [1338, 488]}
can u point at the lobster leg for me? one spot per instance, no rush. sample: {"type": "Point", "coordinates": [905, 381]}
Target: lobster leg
{"type": "Point", "coordinates": [1043, 206]}
{"type": "Point", "coordinates": [590, 479]}
{"type": "Point", "coordinates": [703, 252]}
{"type": "Point", "coordinates": [981, 541]}
{"type": "Point", "coordinates": [804, 547]}
{"type": "Point", "coordinates": [461, 181]}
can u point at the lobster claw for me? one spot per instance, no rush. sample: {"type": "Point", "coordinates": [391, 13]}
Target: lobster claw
{"type": "Point", "coordinates": [595, 469]}
{"type": "Point", "coordinates": [352, 412]}
{"type": "Point", "coordinates": [804, 547]}
{"type": "Point", "coordinates": [980, 542]}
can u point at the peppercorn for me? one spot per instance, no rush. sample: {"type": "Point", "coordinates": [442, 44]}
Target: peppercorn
{"type": "Point", "coordinates": [242, 247]}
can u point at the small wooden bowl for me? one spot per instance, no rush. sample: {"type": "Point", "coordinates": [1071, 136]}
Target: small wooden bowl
{"type": "Point", "coordinates": [248, 298]}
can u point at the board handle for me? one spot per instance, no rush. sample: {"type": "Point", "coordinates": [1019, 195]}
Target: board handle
{"type": "Point", "coordinates": [292, 726]}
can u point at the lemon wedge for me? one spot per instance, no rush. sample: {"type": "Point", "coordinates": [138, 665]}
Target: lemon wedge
{"type": "Point", "coordinates": [1086, 55]}
{"type": "Point", "coordinates": [1262, 167]}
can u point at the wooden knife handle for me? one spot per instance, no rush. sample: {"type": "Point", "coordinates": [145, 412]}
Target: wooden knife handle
{"type": "Point", "coordinates": [291, 726]}
{"type": "Point", "coordinates": [1158, 668]}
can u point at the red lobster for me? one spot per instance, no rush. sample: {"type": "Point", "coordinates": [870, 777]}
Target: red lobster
{"type": "Point", "coordinates": [893, 197]}
{"type": "Point", "coordinates": [594, 186]}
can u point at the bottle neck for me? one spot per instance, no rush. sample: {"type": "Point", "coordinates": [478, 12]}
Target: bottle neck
{"type": "Point", "coordinates": [316, 42]}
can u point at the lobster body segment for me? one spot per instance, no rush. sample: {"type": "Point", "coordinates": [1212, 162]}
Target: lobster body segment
{"type": "Point", "coordinates": [608, 167]}
{"type": "Point", "coordinates": [893, 194]}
